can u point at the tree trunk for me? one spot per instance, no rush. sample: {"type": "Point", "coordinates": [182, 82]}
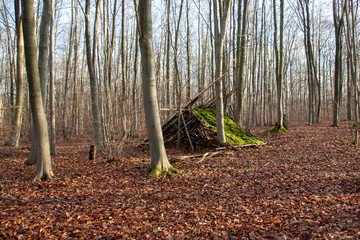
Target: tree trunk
{"type": "Point", "coordinates": [188, 56]}
{"type": "Point", "coordinates": [168, 43]}
{"type": "Point", "coordinates": [93, 80]}
{"type": "Point", "coordinates": [339, 25]}
{"type": "Point", "coordinates": [44, 168]}
{"type": "Point", "coordinates": [159, 160]}
{"type": "Point", "coordinates": [240, 61]}
{"type": "Point", "coordinates": [44, 48]}
{"type": "Point", "coordinates": [52, 88]}
{"type": "Point", "coordinates": [220, 33]}
{"type": "Point", "coordinates": [279, 68]}
{"type": "Point", "coordinates": [16, 128]}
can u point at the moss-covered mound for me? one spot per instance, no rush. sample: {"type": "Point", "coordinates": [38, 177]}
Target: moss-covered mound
{"type": "Point", "coordinates": [234, 135]}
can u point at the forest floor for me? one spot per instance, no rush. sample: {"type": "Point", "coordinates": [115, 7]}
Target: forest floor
{"type": "Point", "coordinates": [303, 184]}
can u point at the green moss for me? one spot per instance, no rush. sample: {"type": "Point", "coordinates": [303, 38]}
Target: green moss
{"type": "Point", "coordinates": [156, 171]}
{"type": "Point", "coordinates": [234, 134]}
{"type": "Point", "coordinates": [9, 145]}
{"type": "Point", "coordinates": [277, 129]}
{"type": "Point", "coordinates": [248, 169]}
{"type": "Point", "coordinates": [28, 163]}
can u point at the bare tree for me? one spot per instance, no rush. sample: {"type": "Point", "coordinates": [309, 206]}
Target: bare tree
{"type": "Point", "coordinates": [16, 127]}
{"type": "Point", "coordinates": [44, 168]}
{"type": "Point", "coordinates": [52, 87]}
{"type": "Point", "coordinates": [91, 60]}
{"type": "Point", "coordinates": [339, 10]}
{"type": "Point", "coordinates": [221, 16]}
{"type": "Point", "coordinates": [159, 160]}
{"type": "Point", "coordinates": [279, 67]}
{"type": "Point", "coordinates": [43, 61]}
{"type": "Point", "coordinates": [352, 46]}
{"type": "Point", "coordinates": [240, 59]}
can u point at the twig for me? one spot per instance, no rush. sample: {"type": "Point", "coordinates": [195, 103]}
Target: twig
{"type": "Point", "coordinates": [60, 201]}
{"type": "Point", "coordinates": [240, 146]}
{"type": "Point", "coordinates": [187, 132]}
{"type": "Point", "coordinates": [326, 156]}
{"type": "Point", "coordinates": [211, 154]}
{"type": "Point", "coordinates": [9, 197]}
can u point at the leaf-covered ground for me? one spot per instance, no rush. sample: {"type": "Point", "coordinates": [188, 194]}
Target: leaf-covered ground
{"type": "Point", "coordinates": [301, 185]}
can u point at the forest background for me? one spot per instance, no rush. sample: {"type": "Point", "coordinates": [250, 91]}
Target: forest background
{"type": "Point", "coordinates": [184, 32]}
{"type": "Point", "coordinates": [282, 60]}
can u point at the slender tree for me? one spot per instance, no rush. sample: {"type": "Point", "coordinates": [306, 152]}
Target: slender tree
{"type": "Point", "coordinates": [159, 160]}
{"type": "Point", "coordinates": [338, 16]}
{"type": "Point", "coordinates": [240, 59]}
{"type": "Point", "coordinates": [52, 87]}
{"type": "Point", "coordinates": [279, 67]}
{"type": "Point", "coordinates": [44, 168]}
{"type": "Point", "coordinates": [221, 16]}
{"type": "Point", "coordinates": [16, 127]}
{"type": "Point", "coordinates": [188, 53]}
{"type": "Point", "coordinates": [43, 62]}
{"type": "Point", "coordinates": [91, 60]}
{"type": "Point", "coordinates": [352, 46]}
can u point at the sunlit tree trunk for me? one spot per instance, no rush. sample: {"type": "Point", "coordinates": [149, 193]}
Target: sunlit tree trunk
{"type": "Point", "coordinates": [16, 127]}
{"type": "Point", "coordinates": [159, 160]}
{"type": "Point", "coordinates": [91, 60]}
{"type": "Point", "coordinates": [43, 62]}
{"type": "Point", "coordinates": [221, 16]}
{"type": "Point", "coordinates": [44, 169]}
{"type": "Point", "coordinates": [44, 48]}
{"type": "Point", "coordinates": [52, 87]}
{"type": "Point", "coordinates": [240, 60]}
{"type": "Point", "coordinates": [168, 43]}
{"type": "Point", "coordinates": [279, 57]}
{"type": "Point", "coordinates": [352, 46]}
{"type": "Point", "coordinates": [188, 55]}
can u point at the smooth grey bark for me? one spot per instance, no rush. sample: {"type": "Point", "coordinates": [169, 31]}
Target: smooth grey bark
{"type": "Point", "coordinates": [339, 27]}
{"type": "Point", "coordinates": [20, 78]}
{"type": "Point", "coordinates": [53, 151]}
{"type": "Point", "coordinates": [159, 160]}
{"type": "Point", "coordinates": [168, 39]}
{"type": "Point", "coordinates": [44, 168]}
{"type": "Point", "coordinates": [177, 79]}
{"type": "Point", "coordinates": [352, 46]}
{"type": "Point", "coordinates": [279, 67]}
{"type": "Point", "coordinates": [44, 34]}
{"type": "Point", "coordinates": [90, 57]}
{"type": "Point", "coordinates": [76, 98]}
{"type": "Point", "coordinates": [188, 54]}
{"type": "Point", "coordinates": [134, 125]}
{"type": "Point", "coordinates": [43, 61]}
{"type": "Point", "coordinates": [241, 60]}
{"type": "Point", "coordinates": [221, 16]}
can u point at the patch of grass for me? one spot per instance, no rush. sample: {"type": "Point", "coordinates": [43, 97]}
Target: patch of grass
{"type": "Point", "coordinates": [234, 134]}
{"type": "Point", "coordinates": [248, 169]}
